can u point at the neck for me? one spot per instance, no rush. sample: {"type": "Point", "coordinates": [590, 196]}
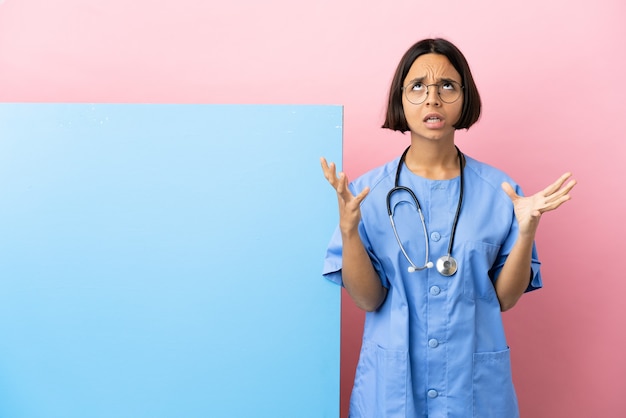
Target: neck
{"type": "Point", "coordinates": [433, 161]}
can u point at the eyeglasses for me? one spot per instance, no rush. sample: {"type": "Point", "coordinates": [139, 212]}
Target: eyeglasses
{"type": "Point", "coordinates": [416, 92]}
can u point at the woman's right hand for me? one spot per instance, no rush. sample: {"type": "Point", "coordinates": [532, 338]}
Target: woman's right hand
{"type": "Point", "coordinates": [358, 274]}
{"type": "Point", "coordinates": [349, 204]}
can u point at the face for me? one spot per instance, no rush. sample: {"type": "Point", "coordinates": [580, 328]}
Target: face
{"type": "Point", "coordinates": [433, 119]}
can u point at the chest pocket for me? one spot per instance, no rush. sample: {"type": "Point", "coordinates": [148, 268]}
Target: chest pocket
{"type": "Point", "coordinates": [477, 258]}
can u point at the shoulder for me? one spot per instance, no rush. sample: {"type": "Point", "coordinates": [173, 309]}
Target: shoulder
{"type": "Point", "coordinates": [485, 175]}
{"type": "Point", "coordinates": [379, 179]}
{"type": "Point", "coordinates": [488, 179]}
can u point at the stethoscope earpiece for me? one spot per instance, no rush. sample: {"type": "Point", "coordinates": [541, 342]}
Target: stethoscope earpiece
{"type": "Point", "coordinates": [413, 269]}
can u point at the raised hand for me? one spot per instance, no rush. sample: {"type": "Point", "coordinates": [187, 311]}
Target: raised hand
{"type": "Point", "coordinates": [528, 210]}
{"type": "Point", "coordinates": [349, 204]}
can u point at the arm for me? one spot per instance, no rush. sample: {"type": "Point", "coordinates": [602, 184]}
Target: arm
{"type": "Point", "coordinates": [516, 272]}
{"type": "Point", "coordinates": [359, 276]}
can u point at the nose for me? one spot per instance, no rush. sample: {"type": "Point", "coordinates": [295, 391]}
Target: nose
{"type": "Point", "coordinates": [432, 95]}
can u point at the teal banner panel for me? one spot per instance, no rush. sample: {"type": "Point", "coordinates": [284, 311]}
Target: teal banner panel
{"type": "Point", "coordinates": [165, 261]}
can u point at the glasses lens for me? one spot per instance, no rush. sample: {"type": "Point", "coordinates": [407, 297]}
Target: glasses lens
{"type": "Point", "coordinates": [416, 92]}
{"type": "Point", "coordinates": [449, 91]}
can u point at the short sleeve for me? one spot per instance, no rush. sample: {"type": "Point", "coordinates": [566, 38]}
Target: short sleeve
{"type": "Point", "coordinates": [535, 264]}
{"type": "Point", "coordinates": [332, 261]}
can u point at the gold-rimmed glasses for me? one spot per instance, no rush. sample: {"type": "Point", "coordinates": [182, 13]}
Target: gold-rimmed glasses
{"type": "Point", "coordinates": [449, 91]}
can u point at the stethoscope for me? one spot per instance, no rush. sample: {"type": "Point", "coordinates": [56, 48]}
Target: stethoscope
{"type": "Point", "coordinates": [446, 265]}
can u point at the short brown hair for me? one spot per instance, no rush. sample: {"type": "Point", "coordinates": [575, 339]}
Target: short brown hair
{"type": "Point", "coordinates": [470, 113]}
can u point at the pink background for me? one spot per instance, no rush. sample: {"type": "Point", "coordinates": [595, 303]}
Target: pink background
{"type": "Point", "coordinates": [551, 74]}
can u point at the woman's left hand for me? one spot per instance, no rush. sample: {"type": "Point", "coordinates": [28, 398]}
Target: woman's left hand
{"type": "Point", "coordinates": [528, 210]}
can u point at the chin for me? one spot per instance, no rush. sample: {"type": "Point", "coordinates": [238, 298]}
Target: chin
{"type": "Point", "coordinates": [435, 137]}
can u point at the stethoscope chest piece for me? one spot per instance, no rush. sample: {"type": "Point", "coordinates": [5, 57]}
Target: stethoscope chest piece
{"type": "Point", "coordinates": [446, 265]}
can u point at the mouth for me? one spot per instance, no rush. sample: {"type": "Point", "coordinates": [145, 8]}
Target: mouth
{"type": "Point", "coordinates": [433, 118]}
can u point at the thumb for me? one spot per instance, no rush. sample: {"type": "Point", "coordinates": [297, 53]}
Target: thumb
{"type": "Point", "coordinates": [362, 195]}
{"type": "Point", "coordinates": [508, 189]}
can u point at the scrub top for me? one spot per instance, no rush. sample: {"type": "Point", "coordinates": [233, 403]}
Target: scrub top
{"type": "Point", "coordinates": [436, 346]}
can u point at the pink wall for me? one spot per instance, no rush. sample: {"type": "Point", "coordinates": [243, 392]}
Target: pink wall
{"type": "Point", "coordinates": [551, 76]}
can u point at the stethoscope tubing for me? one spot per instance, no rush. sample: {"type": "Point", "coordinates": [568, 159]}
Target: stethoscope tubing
{"type": "Point", "coordinates": [396, 188]}
{"type": "Point", "coordinates": [427, 264]}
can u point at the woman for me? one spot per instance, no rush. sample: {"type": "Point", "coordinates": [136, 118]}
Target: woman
{"type": "Point", "coordinates": [433, 343]}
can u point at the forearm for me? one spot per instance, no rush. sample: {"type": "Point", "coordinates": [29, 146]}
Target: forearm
{"type": "Point", "coordinates": [515, 275]}
{"type": "Point", "coordinates": [359, 276]}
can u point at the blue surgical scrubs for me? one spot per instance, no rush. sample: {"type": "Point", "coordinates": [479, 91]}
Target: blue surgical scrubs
{"type": "Point", "coordinates": [436, 347]}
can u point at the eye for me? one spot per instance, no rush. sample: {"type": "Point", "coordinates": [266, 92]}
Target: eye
{"type": "Point", "coordinates": [417, 86]}
{"type": "Point", "coordinates": [448, 86]}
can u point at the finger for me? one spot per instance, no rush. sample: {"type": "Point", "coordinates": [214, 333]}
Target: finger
{"type": "Point", "coordinates": [508, 189]}
{"type": "Point", "coordinates": [555, 204]}
{"type": "Point", "coordinates": [345, 193]}
{"type": "Point", "coordinates": [323, 163]}
{"type": "Point", "coordinates": [342, 187]}
{"type": "Point", "coordinates": [329, 172]}
{"type": "Point", "coordinates": [561, 192]}
{"type": "Point", "coordinates": [557, 199]}
{"type": "Point", "coordinates": [326, 168]}
{"type": "Point", "coordinates": [556, 185]}
{"type": "Point", "coordinates": [359, 198]}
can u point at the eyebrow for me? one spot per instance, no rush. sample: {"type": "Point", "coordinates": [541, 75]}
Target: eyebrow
{"type": "Point", "coordinates": [440, 80]}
